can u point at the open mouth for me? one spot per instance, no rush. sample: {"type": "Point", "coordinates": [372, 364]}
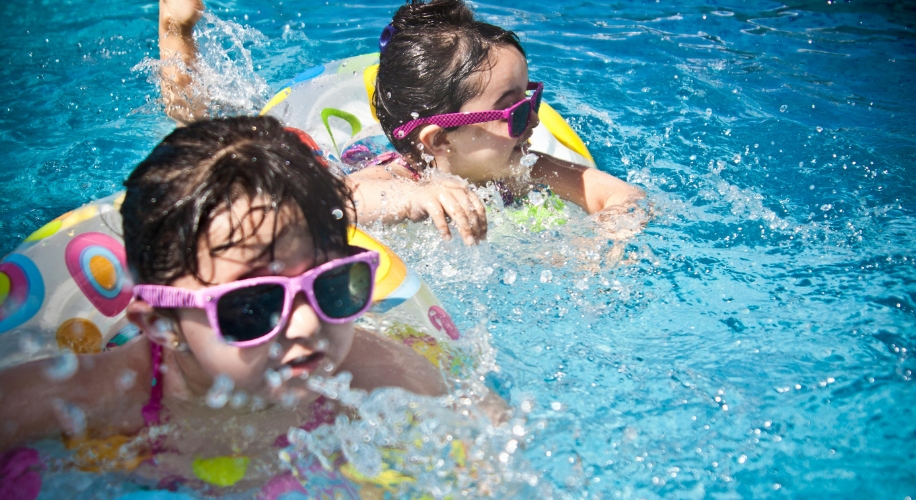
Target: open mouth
{"type": "Point", "coordinates": [305, 364]}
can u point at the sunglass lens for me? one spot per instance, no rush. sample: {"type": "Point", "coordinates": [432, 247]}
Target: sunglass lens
{"type": "Point", "coordinates": [344, 291]}
{"type": "Point", "coordinates": [520, 119]}
{"type": "Point", "coordinates": [250, 313]}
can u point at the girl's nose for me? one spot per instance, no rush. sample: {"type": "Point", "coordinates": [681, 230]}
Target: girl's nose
{"type": "Point", "coordinates": [303, 322]}
{"type": "Point", "coordinates": [533, 119]}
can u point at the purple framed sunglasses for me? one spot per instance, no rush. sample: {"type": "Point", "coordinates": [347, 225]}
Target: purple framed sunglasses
{"type": "Point", "coordinates": [518, 116]}
{"type": "Point", "coordinates": [250, 312]}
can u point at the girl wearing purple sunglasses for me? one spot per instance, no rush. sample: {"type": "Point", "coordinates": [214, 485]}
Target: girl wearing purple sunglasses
{"type": "Point", "coordinates": [452, 94]}
{"type": "Point", "coordinates": [237, 239]}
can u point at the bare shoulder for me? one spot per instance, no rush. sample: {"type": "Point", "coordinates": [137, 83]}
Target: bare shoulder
{"type": "Point", "coordinates": [108, 389]}
{"type": "Point", "coordinates": [376, 361]}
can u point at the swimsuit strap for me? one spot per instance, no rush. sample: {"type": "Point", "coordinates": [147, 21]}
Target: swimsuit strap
{"type": "Point", "coordinates": [395, 157]}
{"type": "Point", "coordinates": [153, 408]}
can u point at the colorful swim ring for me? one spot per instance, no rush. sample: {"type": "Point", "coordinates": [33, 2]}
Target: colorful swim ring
{"type": "Point", "coordinates": [332, 103]}
{"type": "Point", "coordinates": [67, 285]}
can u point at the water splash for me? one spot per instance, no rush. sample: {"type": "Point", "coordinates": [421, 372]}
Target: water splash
{"type": "Point", "coordinates": [438, 446]}
{"type": "Point", "coordinates": [224, 73]}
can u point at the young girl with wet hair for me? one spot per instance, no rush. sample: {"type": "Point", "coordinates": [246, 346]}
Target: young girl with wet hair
{"type": "Point", "coordinates": [236, 238]}
{"type": "Point", "coordinates": [453, 93]}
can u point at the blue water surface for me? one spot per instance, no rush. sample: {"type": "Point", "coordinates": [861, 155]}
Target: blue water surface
{"type": "Point", "coordinates": [755, 340]}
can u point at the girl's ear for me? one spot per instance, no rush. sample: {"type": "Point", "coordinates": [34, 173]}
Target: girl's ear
{"type": "Point", "coordinates": [434, 140]}
{"type": "Point", "coordinates": [156, 326]}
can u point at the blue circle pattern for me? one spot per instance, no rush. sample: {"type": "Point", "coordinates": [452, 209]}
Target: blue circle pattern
{"type": "Point", "coordinates": [97, 251]}
{"type": "Point", "coordinates": [36, 293]}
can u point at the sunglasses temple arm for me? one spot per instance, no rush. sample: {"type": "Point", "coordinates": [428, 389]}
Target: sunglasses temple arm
{"type": "Point", "coordinates": [167, 297]}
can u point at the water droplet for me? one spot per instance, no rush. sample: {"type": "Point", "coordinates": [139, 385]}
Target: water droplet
{"type": "Point", "coordinates": [220, 391]}
{"type": "Point", "coordinates": [529, 160]}
{"type": "Point", "coordinates": [72, 418]}
{"type": "Point", "coordinates": [289, 399]}
{"type": "Point", "coordinates": [509, 277]}
{"type": "Point", "coordinates": [276, 350]}
{"type": "Point", "coordinates": [337, 213]}
{"type": "Point", "coordinates": [536, 198]}
{"type": "Point", "coordinates": [273, 378]}
{"type": "Point", "coordinates": [415, 115]}
{"type": "Point", "coordinates": [546, 276]}
{"type": "Point", "coordinates": [63, 366]}
{"type": "Point", "coordinates": [511, 446]}
{"type": "Point", "coordinates": [28, 345]}
{"type": "Point", "coordinates": [258, 403]}
{"type": "Point", "coordinates": [297, 437]}
{"type": "Point", "coordinates": [276, 267]}
{"type": "Point", "coordinates": [238, 400]}
{"type": "Point", "coordinates": [449, 271]}
{"type": "Point", "coordinates": [127, 380]}
{"type": "Point", "coordinates": [783, 108]}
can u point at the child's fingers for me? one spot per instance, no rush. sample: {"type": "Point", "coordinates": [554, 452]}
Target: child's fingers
{"type": "Point", "coordinates": [456, 210]}
{"type": "Point", "coordinates": [437, 214]}
{"type": "Point", "coordinates": [481, 212]}
{"type": "Point", "coordinates": [472, 210]}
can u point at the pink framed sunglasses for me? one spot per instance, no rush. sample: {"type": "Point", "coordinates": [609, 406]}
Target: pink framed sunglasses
{"type": "Point", "coordinates": [250, 312]}
{"type": "Point", "coordinates": [518, 116]}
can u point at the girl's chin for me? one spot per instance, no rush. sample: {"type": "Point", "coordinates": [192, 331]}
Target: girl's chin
{"type": "Point", "coordinates": [293, 394]}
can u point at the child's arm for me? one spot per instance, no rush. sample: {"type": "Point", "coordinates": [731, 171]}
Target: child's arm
{"type": "Point", "coordinates": [590, 188]}
{"type": "Point", "coordinates": [376, 362]}
{"type": "Point", "coordinates": [390, 198]}
{"type": "Point", "coordinates": [176, 24]}
{"type": "Point", "coordinates": [104, 396]}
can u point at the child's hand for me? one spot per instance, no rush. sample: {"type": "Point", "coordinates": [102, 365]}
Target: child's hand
{"type": "Point", "coordinates": [444, 198]}
{"type": "Point", "coordinates": [621, 223]}
{"type": "Point", "coordinates": [180, 16]}
{"type": "Point", "coordinates": [176, 39]}
{"type": "Point", "coordinates": [384, 195]}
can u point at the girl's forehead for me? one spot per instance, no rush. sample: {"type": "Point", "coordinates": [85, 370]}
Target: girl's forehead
{"type": "Point", "coordinates": [255, 237]}
{"type": "Point", "coordinates": [508, 73]}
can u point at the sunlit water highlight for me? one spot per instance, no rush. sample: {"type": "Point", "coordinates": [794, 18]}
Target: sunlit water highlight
{"type": "Point", "coordinates": [755, 340]}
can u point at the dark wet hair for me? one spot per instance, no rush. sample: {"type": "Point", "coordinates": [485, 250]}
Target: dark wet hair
{"type": "Point", "coordinates": [197, 172]}
{"type": "Point", "coordinates": [427, 66]}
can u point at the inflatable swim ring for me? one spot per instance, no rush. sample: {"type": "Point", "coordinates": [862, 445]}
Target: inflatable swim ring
{"type": "Point", "coordinates": [67, 285]}
{"type": "Point", "coordinates": [332, 104]}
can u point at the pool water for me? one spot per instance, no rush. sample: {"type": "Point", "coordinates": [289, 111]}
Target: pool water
{"type": "Point", "coordinates": [754, 340]}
